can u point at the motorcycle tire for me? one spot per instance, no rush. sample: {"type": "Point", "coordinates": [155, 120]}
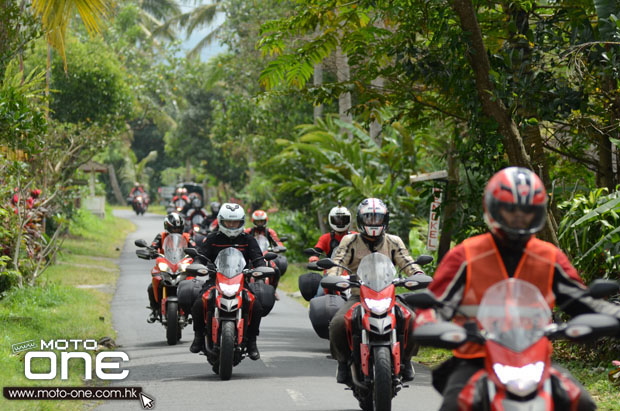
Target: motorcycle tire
{"type": "Point", "coordinates": [227, 350]}
{"type": "Point", "coordinates": [172, 315]}
{"type": "Point", "coordinates": [382, 379]}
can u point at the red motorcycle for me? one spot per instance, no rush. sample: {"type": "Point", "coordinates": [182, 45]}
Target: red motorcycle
{"type": "Point", "coordinates": [228, 310]}
{"type": "Point", "coordinates": [377, 326]}
{"type": "Point", "coordinates": [514, 323]}
{"type": "Point", "coordinates": [169, 271]}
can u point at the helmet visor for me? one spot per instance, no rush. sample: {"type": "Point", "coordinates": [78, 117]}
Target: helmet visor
{"type": "Point", "coordinates": [260, 223]}
{"type": "Point", "coordinates": [373, 219]}
{"type": "Point", "coordinates": [340, 220]}
{"type": "Point", "coordinates": [520, 219]}
{"type": "Point", "coordinates": [232, 224]}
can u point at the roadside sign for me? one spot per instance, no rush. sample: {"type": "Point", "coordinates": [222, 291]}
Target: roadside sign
{"type": "Point", "coordinates": [433, 221]}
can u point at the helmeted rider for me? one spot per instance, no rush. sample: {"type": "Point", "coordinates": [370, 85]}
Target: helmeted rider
{"type": "Point", "coordinates": [136, 190]}
{"type": "Point", "coordinates": [372, 220]}
{"type": "Point", "coordinates": [231, 219]}
{"type": "Point", "coordinates": [259, 221]}
{"type": "Point", "coordinates": [196, 207]}
{"type": "Point", "coordinates": [181, 194]}
{"type": "Point", "coordinates": [339, 219]}
{"type": "Point", "coordinates": [515, 208]}
{"type": "Point", "coordinates": [173, 224]}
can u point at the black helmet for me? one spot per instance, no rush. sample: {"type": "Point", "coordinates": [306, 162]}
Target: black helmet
{"type": "Point", "coordinates": [173, 223]}
{"type": "Point", "coordinates": [373, 217]}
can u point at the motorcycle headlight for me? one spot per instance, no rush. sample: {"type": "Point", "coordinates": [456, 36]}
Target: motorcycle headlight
{"type": "Point", "coordinates": [183, 266]}
{"type": "Point", "coordinates": [196, 228]}
{"type": "Point", "coordinates": [520, 381]}
{"type": "Point", "coordinates": [378, 306]}
{"type": "Point", "coordinates": [163, 267]}
{"type": "Point", "coordinates": [229, 290]}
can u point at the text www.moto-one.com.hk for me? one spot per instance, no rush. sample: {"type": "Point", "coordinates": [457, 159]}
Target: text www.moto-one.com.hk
{"type": "Point", "coordinates": [71, 393]}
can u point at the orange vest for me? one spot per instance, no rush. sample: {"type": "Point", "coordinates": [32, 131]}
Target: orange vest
{"type": "Point", "coordinates": [485, 267]}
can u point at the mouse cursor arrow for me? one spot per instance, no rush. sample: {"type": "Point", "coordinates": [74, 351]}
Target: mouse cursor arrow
{"type": "Point", "coordinates": [146, 401]}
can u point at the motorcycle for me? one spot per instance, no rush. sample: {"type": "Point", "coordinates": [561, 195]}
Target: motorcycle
{"type": "Point", "coordinates": [195, 222]}
{"type": "Point", "coordinates": [169, 271]}
{"type": "Point", "coordinates": [377, 326]}
{"type": "Point", "coordinates": [228, 309]}
{"type": "Point", "coordinates": [139, 204]}
{"type": "Point", "coordinates": [514, 323]}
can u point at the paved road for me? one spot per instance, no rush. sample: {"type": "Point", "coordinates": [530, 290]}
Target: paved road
{"type": "Point", "coordinates": [294, 372]}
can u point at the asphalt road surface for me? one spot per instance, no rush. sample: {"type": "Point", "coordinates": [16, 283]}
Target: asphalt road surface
{"type": "Point", "coordinates": [293, 373]}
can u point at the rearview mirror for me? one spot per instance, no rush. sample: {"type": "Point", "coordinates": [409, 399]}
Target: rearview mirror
{"type": "Point", "coordinates": [140, 243]}
{"type": "Point", "coordinates": [603, 288]}
{"type": "Point", "coordinates": [311, 252]}
{"type": "Point", "coordinates": [421, 300]}
{"type": "Point", "coordinates": [424, 259]}
{"type": "Point", "coordinates": [270, 256]}
{"type": "Point", "coordinates": [284, 238]}
{"type": "Point", "coordinates": [192, 252]}
{"type": "Point", "coordinates": [326, 263]}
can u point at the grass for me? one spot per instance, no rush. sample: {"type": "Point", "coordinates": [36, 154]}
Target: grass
{"type": "Point", "coordinates": [56, 309]}
{"type": "Point", "coordinates": [594, 379]}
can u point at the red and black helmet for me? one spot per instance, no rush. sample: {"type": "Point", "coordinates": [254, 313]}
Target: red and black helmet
{"type": "Point", "coordinates": [259, 218]}
{"type": "Point", "coordinates": [173, 223]}
{"type": "Point", "coordinates": [515, 188]}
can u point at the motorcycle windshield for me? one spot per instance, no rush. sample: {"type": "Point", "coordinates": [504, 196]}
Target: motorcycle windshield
{"type": "Point", "coordinates": [514, 314]}
{"type": "Point", "coordinates": [263, 243]}
{"type": "Point", "coordinates": [173, 247]}
{"type": "Point", "coordinates": [197, 219]}
{"type": "Point", "coordinates": [376, 271]}
{"type": "Point", "coordinates": [230, 262]}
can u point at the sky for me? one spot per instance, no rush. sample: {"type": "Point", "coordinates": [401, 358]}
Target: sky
{"type": "Point", "coordinates": [212, 49]}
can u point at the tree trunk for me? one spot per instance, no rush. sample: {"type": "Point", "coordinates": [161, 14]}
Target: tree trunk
{"type": "Point", "coordinates": [492, 106]}
{"type": "Point", "coordinates": [116, 189]}
{"type": "Point", "coordinates": [375, 126]}
{"type": "Point", "coordinates": [344, 74]}
{"type": "Point", "coordinates": [318, 82]}
{"type": "Point", "coordinates": [188, 169]}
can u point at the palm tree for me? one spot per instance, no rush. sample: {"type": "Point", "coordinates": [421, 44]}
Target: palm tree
{"type": "Point", "coordinates": [57, 14]}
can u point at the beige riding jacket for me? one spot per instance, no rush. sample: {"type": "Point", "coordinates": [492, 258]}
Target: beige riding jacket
{"type": "Point", "coordinates": [353, 248]}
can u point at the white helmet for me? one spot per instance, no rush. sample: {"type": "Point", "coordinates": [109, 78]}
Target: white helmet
{"type": "Point", "coordinates": [231, 219]}
{"type": "Point", "coordinates": [339, 218]}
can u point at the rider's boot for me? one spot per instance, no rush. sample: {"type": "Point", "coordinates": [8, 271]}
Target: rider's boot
{"type": "Point", "coordinates": [253, 350]}
{"type": "Point", "coordinates": [407, 372]}
{"type": "Point", "coordinates": [198, 344]}
{"type": "Point", "coordinates": [152, 316]}
{"type": "Point", "coordinates": [344, 373]}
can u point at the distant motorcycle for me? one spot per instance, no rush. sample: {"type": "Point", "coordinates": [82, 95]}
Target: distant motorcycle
{"type": "Point", "coordinates": [377, 326]}
{"type": "Point", "coordinates": [170, 271]}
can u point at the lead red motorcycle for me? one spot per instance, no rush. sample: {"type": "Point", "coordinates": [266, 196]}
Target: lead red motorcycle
{"type": "Point", "coordinates": [514, 323]}
{"type": "Point", "coordinates": [228, 310]}
{"type": "Point", "coordinates": [377, 326]}
{"type": "Point", "coordinates": [169, 271]}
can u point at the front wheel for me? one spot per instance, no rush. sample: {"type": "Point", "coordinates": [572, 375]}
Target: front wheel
{"type": "Point", "coordinates": [382, 370]}
{"type": "Point", "coordinates": [172, 315]}
{"type": "Point", "coordinates": [227, 350]}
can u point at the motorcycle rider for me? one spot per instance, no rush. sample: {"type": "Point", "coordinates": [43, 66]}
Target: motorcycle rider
{"type": "Point", "coordinates": [173, 224]}
{"type": "Point", "coordinates": [137, 190]}
{"type": "Point", "coordinates": [339, 219]}
{"type": "Point", "coordinates": [181, 194]}
{"type": "Point", "coordinates": [231, 219]}
{"type": "Point", "coordinates": [259, 219]}
{"type": "Point", "coordinates": [372, 220]}
{"type": "Point", "coordinates": [515, 209]}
